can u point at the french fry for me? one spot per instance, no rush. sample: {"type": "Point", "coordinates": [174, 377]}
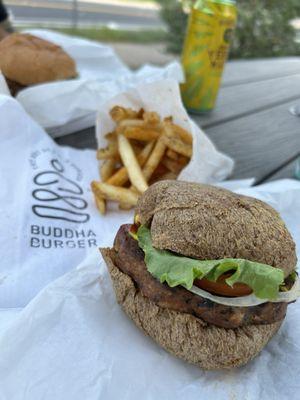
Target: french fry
{"type": "Point", "coordinates": [183, 161]}
{"type": "Point", "coordinates": [130, 162]}
{"type": "Point", "coordinates": [100, 204]}
{"type": "Point", "coordinates": [168, 130]}
{"type": "Point", "coordinates": [176, 144]}
{"type": "Point", "coordinates": [111, 136]}
{"type": "Point", "coordinates": [137, 146]}
{"type": "Point", "coordinates": [114, 193]}
{"type": "Point", "coordinates": [151, 118]}
{"type": "Point", "coordinates": [145, 153]}
{"type": "Point", "coordinates": [109, 152]}
{"type": "Point", "coordinates": [99, 199]}
{"type": "Point", "coordinates": [154, 158]}
{"type": "Point", "coordinates": [172, 165]}
{"type": "Point", "coordinates": [184, 135]}
{"type": "Point", "coordinates": [172, 154]}
{"type": "Point", "coordinates": [119, 113]}
{"type": "Point", "coordinates": [175, 131]}
{"type": "Point", "coordinates": [140, 113]}
{"type": "Point", "coordinates": [160, 170]}
{"type": "Point", "coordinates": [130, 122]}
{"type": "Point", "coordinates": [120, 177]}
{"type": "Point", "coordinates": [107, 169]}
{"type": "Point", "coordinates": [141, 133]}
{"type": "Point", "coordinates": [168, 176]}
{"type": "Point", "coordinates": [123, 206]}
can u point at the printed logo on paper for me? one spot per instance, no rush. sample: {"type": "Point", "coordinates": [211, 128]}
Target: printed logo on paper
{"type": "Point", "coordinates": [58, 198]}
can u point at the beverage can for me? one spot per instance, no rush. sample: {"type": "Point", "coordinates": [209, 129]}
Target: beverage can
{"type": "Point", "coordinates": [205, 52]}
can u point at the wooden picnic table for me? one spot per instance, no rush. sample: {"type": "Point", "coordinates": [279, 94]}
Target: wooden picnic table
{"type": "Point", "coordinates": [251, 122]}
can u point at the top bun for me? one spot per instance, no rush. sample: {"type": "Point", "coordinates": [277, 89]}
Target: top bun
{"type": "Point", "coordinates": [209, 223]}
{"type": "Point", "coordinates": [29, 60]}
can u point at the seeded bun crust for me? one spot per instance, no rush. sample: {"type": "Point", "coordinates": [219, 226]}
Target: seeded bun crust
{"type": "Point", "coordinates": [28, 60]}
{"type": "Point", "coordinates": [184, 335]}
{"type": "Point", "coordinates": [209, 223]}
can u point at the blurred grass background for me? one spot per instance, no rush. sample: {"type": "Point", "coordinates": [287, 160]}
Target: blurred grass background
{"type": "Point", "coordinates": [105, 34]}
{"type": "Point", "coordinates": [264, 27]}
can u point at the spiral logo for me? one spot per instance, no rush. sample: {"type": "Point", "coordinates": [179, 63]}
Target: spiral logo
{"type": "Point", "coordinates": [57, 196]}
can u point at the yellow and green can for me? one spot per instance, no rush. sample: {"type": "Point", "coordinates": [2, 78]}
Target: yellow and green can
{"type": "Point", "coordinates": [205, 52]}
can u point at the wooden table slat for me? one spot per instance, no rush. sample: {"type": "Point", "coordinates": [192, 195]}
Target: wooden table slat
{"type": "Point", "coordinates": [244, 71]}
{"type": "Point", "coordinates": [288, 171]}
{"type": "Point", "coordinates": [237, 101]}
{"type": "Point", "coordinates": [259, 143]}
{"type": "Point", "coordinates": [85, 139]}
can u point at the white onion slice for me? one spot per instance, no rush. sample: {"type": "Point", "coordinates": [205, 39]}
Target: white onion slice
{"type": "Point", "coordinates": [251, 299]}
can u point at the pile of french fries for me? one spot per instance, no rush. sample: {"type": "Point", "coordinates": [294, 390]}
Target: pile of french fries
{"type": "Point", "coordinates": [141, 150]}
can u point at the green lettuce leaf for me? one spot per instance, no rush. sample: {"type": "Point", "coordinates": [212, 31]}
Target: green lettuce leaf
{"type": "Point", "coordinates": [179, 270]}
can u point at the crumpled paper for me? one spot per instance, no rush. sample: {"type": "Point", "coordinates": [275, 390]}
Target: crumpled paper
{"type": "Point", "coordinates": [207, 164]}
{"type": "Point", "coordinates": [73, 341]}
{"type": "Point", "coordinates": [68, 106]}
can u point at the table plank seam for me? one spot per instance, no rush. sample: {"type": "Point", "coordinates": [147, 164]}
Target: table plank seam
{"type": "Point", "coordinates": [261, 79]}
{"type": "Point", "coordinates": [212, 124]}
{"type": "Point", "coordinates": [276, 170]}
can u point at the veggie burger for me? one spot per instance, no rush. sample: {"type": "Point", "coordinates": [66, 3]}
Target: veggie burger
{"type": "Point", "coordinates": [207, 273]}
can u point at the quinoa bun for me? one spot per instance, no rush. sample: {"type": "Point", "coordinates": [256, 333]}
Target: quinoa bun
{"type": "Point", "coordinates": [208, 274]}
{"type": "Point", "coordinates": [27, 60]}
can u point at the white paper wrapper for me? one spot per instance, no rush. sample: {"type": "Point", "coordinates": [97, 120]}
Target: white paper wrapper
{"type": "Point", "coordinates": [74, 341]}
{"type": "Point", "coordinates": [3, 85]}
{"type": "Point", "coordinates": [68, 106]}
{"type": "Point", "coordinates": [207, 165]}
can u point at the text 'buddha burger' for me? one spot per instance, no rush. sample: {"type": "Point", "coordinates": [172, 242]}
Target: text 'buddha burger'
{"type": "Point", "coordinates": [207, 273]}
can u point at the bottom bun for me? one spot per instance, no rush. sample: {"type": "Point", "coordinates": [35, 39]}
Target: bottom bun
{"type": "Point", "coordinates": [185, 336]}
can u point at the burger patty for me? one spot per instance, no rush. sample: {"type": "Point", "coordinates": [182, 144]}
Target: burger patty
{"type": "Point", "coordinates": [129, 258]}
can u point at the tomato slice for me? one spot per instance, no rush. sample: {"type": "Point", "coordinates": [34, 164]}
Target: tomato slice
{"type": "Point", "coordinates": [134, 228]}
{"type": "Point", "coordinates": [221, 288]}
